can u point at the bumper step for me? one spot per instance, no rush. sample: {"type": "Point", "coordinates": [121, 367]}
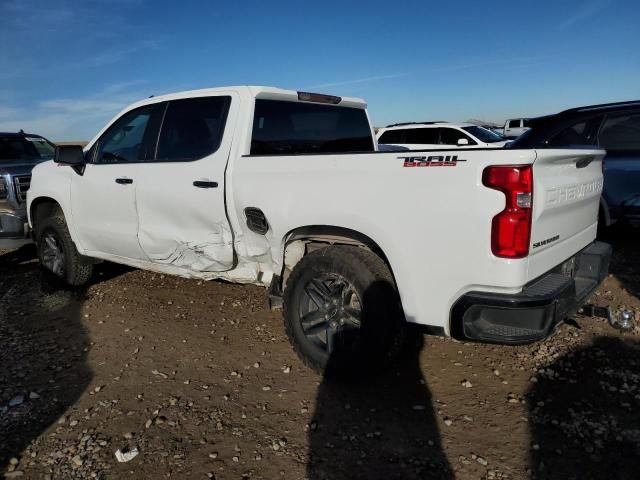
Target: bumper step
{"type": "Point", "coordinates": [532, 314]}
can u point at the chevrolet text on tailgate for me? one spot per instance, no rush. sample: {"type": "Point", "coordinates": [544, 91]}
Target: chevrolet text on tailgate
{"type": "Point", "coordinates": [286, 189]}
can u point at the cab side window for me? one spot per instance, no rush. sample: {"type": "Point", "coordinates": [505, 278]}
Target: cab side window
{"type": "Point", "coordinates": [573, 135]}
{"type": "Point", "coordinates": [621, 133]}
{"type": "Point", "coordinates": [192, 128]}
{"type": "Point", "coordinates": [123, 142]}
{"type": "Point", "coordinates": [514, 124]}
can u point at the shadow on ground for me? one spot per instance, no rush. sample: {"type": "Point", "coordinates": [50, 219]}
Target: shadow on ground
{"type": "Point", "coordinates": [584, 416]}
{"type": "Point", "coordinates": [379, 428]}
{"type": "Point", "coordinates": [584, 411]}
{"type": "Point", "coordinates": [625, 263]}
{"type": "Point", "coordinates": [43, 351]}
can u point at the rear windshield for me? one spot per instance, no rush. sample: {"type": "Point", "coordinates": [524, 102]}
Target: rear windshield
{"type": "Point", "coordinates": [18, 147]}
{"type": "Point", "coordinates": [281, 127]}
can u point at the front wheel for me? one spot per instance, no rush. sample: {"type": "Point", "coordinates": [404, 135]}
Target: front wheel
{"type": "Point", "coordinates": [342, 312]}
{"type": "Point", "coordinates": [58, 254]}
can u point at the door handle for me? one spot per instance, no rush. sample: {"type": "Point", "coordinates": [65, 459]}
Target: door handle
{"type": "Point", "coordinates": [205, 184]}
{"type": "Point", "coordinates": [124, 181]}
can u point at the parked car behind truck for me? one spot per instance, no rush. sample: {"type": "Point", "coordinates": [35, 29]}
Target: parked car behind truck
{"type": "Point", "coordinates": [285, 189]}
{"type": "Point", "coordinates": [430, 135]}
{"type": "Point", "coordinates": [19, 153]}
{"type": "Point", "coordinates": [614, 127]}
{"type": "Point", "coordinates": [515, 127]}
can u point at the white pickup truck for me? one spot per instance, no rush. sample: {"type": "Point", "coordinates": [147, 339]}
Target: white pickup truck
{"type": "Point", "coordinates": [286, 189]}
{"type": "Point", "coordinates": [515, 127]}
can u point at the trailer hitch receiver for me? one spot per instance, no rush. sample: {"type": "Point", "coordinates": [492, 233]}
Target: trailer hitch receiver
{"type": "Point", "coordinates": [622, 319]}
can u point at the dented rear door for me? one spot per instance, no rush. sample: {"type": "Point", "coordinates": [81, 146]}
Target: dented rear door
{"type": "Point", "coordinates": [181, 193]}
{"type": "Point", "coordinates": [566, 197]}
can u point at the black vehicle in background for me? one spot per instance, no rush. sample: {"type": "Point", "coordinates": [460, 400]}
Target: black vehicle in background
{"type": "Point", "coordinates": [614, 127]}
{"type": "Point", "coordinates": [19, 153]}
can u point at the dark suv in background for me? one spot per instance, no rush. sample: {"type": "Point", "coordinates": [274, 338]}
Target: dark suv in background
{"type": "Point", "coordinates": [614, 127]}
{"type": "Point", "coordinates": [19, 153]}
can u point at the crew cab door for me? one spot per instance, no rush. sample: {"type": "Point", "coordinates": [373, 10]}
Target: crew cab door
{"type": "Point", "coordinates": [181, 191]}
{"type": "Point", "coordinates": [103, 198]}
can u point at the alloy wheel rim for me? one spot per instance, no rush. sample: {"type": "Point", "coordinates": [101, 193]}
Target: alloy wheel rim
{"type": "Point", "coordinates": [52, 254]}
{"type": "Point", "coordinates": [329, 310]}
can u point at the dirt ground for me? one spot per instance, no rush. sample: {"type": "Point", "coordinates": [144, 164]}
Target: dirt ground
{"type": "Point", "coordinates": [200, 378]}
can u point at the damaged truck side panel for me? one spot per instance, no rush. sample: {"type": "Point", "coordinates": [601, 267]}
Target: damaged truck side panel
{"type": "Point", "coordinates": [286, 189]}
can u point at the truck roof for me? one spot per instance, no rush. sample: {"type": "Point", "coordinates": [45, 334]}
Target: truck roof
{"type": "Point", "coordinates": [246, 92]}
{"type": "Point", "coordinates": [263, 92]}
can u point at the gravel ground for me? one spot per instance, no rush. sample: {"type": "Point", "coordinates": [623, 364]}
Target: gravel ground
{"type": "Point", "coordinates": [200, 379]}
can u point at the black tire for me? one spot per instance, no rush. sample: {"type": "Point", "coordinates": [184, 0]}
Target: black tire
{"type": "Point", "coordinates": [352, 346]}
{"type": "Point", "coordinates": [74, 269]}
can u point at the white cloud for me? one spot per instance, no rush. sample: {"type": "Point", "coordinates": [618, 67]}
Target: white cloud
{"type": "Point", "coordinates": [7, 112]}
{"type": "Point", "coordinates": [54, 126]}
{"type": "Point", "coordinates": [360, 80]}
{"type": "Point", "coordinates": [78, 118]}
{"type": "Point", "coordinates": [81, 105]}
{"type": "Point", "coordinates": [118, 53]}
{"type": "Point", "coordinates": [587, 10]}
{"type": "Point", "coordinates": [19, 14]}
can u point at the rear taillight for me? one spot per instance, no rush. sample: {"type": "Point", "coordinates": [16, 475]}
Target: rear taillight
{"type": "Point", "coordinates": [511, 228]}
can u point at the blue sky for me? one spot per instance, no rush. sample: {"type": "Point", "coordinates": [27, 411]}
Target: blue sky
{"type": "Point", "coordinates": [66, 67]}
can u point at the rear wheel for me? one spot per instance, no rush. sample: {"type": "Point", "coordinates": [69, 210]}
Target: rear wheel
{"type": "Point", "coordinates": [58, 254]}
{"type": "Point", "coordinates": [341, 310]}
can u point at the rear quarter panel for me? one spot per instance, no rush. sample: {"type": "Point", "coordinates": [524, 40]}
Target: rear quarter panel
{"type": "Point", "coordinates": [432, 222]}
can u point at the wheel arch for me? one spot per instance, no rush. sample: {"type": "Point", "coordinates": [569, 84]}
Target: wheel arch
{"type": "Point", "coordinates": [40, 208]}
{"type": "Point", "coordinates": [300, 241]}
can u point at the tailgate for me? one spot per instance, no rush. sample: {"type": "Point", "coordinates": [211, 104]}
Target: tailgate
{"type": "Point", "coordinates": [566, 196]}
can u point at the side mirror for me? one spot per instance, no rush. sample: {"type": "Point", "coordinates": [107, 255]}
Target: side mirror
{"type": "Point", "coordinates": [69, 155]}
{"type": "Point", "coordinates": [463, 141]}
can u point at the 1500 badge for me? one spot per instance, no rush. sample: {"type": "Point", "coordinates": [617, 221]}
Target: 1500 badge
{"type": "Point", "coordinates": [432, 161]}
